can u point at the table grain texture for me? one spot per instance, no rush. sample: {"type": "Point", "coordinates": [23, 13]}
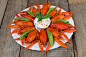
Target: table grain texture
{"type": "Point", "coordinates": [9, 48]}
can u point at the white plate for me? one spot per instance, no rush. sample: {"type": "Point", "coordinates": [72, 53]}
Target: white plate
{"type": "Point", "coordinates": [35, 46]}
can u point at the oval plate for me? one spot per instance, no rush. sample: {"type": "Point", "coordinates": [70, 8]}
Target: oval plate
{"type": "Point", "coordinates": [35, 46]}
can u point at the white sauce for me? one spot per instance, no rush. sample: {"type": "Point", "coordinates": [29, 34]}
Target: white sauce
{"type": "Point", "coordinates": [42, 24]}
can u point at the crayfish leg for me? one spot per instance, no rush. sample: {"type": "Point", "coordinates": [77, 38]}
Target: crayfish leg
{"type": "Point", "coordinates": [31, 44]}
{"type": "Point", "coordinates": [38, 7]}
{"type": "Point", "coordinates": [30, 8]}
{"type": "Point", "coordinates": [14, 31]}
{"type": "Point", "coordinates": [23, 40]}
{"type": "Point", "coordinates": [59, 11]}
{"type": "Point", "coordinates": [61, 38]}
{"type": "Point", "coordinates": [70, 30]}
{"type": "Point", "coordinates": [17, 15]}
{"type": "Point", "coordinates": [56, 7]}
{"type": "Point", "coordinates": [11, 23]}
{"type": "Point", "coordinates": [52, 13]}
{"type": "Point", "coordinates": [48, 47]}
{"type": "Point", "coordinates": [13, 26]}
{"type": "Point", "coordinates": [44, 44]}
{"type": "Point", "coordinates": [71, 26]}
{"type": "Point", "coordinates": [49, 4]}
{"type": "Point", "coordinates": [40, 46]}
{"type": "Point", "coordinates": [17, 39]}
{"type": "Point", "coordinates": [66, 37]}
{"type": "Point", "coordinates": [37, 37]}
{"type": "Point", "coordinates": [61, 43]}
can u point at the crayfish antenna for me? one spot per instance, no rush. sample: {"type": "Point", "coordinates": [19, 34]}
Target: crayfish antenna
{"type": "Point", "coordinates": [47, 1]}
{"type": "Point", "coordinates": [29, 4]}
{"type": "Point", "coordinates": [74, 10]}
{"type": "Point", "coordinates": [26, 2]}
{"type": "Point", "coordinates": [72, 46]}
{"type": "Point", "coordinates": [12, 10]}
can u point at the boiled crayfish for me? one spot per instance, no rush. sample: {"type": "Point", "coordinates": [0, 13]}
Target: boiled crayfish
{"type": "Point", "coordinates": [20, 23]}
{"type": "Point", "coordinates": [65, 27]}
{"type": "Point", "coordinates": [32, 35]}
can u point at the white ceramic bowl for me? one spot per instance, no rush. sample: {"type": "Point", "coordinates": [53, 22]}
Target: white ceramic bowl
{"type": "Point", "coordinates": [43, 22]}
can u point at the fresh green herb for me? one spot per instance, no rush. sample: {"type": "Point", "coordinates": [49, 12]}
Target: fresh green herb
{"type": "Point", "coordinates": [31, 13]}
{"type": "Point", "coordinates": [40, 17]}
{"type": "Point", "coordinates": [62, 20]}
{"type": "Point", "coordinates": [38, 14]}
{"type": "Point", "coordinates": [50, 10]}
{"type": "Point", "coordinates": [22, 18]}
{"type": "Point", "coordinates": [24, 34]}
{"type": "Point", "coordinates": [46, 16]}
{"type": "Point", "coordinates": [50, 36]}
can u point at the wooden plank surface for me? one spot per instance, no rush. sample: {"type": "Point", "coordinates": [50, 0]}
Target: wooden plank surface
{"type": "Point", "coordinates": [3, 4]}
{"type": "Point", "coordinates": [80, 22]}
{"type": "Point", "coordinates": [8, 47]}
{"type": "Point", "coordinates": [77, 1]}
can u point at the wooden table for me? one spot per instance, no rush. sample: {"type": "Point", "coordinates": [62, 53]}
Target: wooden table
{"type": "Point", "coordinates": [9, 48]}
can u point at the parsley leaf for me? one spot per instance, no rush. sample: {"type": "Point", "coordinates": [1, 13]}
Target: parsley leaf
{"type": "Point", "coordinates": [47, 16]}
{"type": "Point", "coordinates": [40, 17]}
